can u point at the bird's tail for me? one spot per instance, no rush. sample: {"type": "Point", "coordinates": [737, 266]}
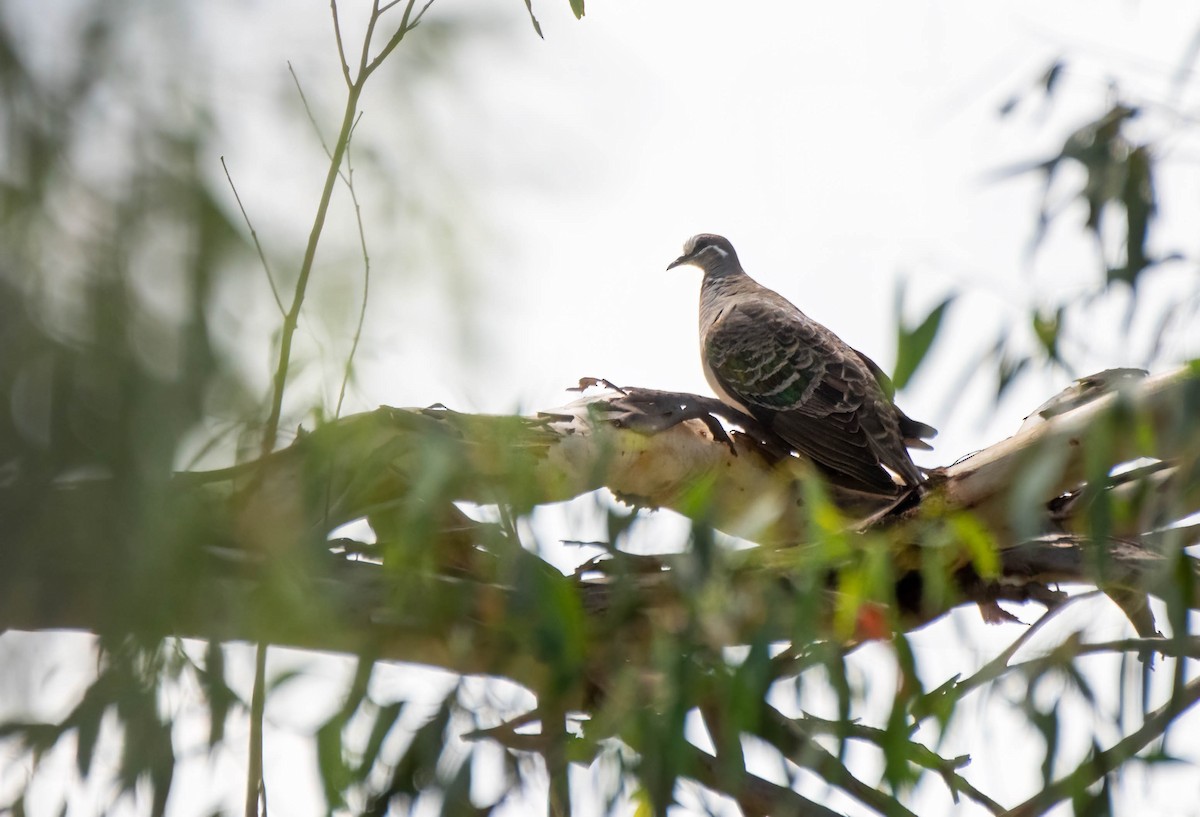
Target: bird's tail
{"type": "Point", "coordinates": [915, 433]}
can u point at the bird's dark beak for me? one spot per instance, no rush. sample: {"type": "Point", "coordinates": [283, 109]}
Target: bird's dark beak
{"type": "Point", "coordinates": [681, 260]}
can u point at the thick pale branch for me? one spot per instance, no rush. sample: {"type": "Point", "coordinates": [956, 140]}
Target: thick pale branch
{"type": "Point", "coordinates": [402, 469]}
{"type": "Point", "coordinates": [661, 450]}
{"type": "Point", "coordinates": [354, 467]}
{"type": "Point", "coordinates": [1156, 418]}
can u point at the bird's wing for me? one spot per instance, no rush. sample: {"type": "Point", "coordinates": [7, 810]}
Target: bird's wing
{"type": "Point", "coordinates": [914, 432]}
{"type": "Point", "coordinates": [808, 387]}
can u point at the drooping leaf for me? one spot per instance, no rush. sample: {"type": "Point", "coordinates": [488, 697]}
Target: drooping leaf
{"type": "Point", "coordinates": [385, 720]}
{"type": "Point", "coordinates": [548, 616]}
{"type": "Point", "coordinates": [1048, 328]}
{"type": "Point", "coordinates": [417, 768]}
{"type": "Point", "coordinates": [1138, 198]}
{"type": "Point", "coordinates": [220, 697]}
{"type": "Point", "coordinates": [1047, 724]}
{"type": "Point", "coordinates": [912, 345]}
{"type": "Point", "coordinates": [979, 544]}
{"type": "Point", "coordinates": [331, 762]}
{"type": "Point", "coordinates": [536, 25]}
{"type": "Point", "coordinates": [86, 718]}
{"type": "Point", "coordinates": [1008, 369]}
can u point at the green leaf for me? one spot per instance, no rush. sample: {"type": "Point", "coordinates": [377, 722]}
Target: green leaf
{"type": "Point", "coordinates": [941, 703]}
{"type": "Point", "coordinates": [577, 8]}
{"type": "Point", "coordinates": [331, 761]}
{"type": "Point", "coordinates": [1008, 369]}
{"type": "Point", "coordinates": [417, 768]}
{"type": "Point", "coordinates": [87, 731]}
{"type": "Point", "coordinates": [914, 344]}
{"type": "Point", "coordinates": [548, 616]}
{"type": "Point", "coordinates": [536, 26]}
{"type": "Point", "coordinates": [216, 691]}
{"type": "Point", "coordinates": [457, 791]}
{"type": "Point", "coordinates": [1048, 328]}
{"type": "Point", "coordinates": [385, 721]}
{"type": "Point", "coordinates": [979, 544]}
{"type": "Point", "coordinates": [1138, 198]}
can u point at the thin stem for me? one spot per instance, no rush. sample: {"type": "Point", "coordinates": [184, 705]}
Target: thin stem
{"type": "Point", "coordinates": [417, 20]}
{"type": "Point", "coordinates": [801, 749]}
{"type": "Point", "coordinates": [404, 28]}
{"type": "Point", "coordinates": [1111, 758]}
{"type": "Point", "coordinates": [337, 36]}
{"type": "Point", "coordinates": [1186, 647]}
{"type": "Point", "coordinates": [999, 665]}
{"type": "Point", "coordinates": [312, 120]}
{"type": "Point", "coordinates": [364, 55]}
{"type": "Point", "coordinates": [555, 754]}
{"type": "Point", "coordinates": [256, 788]}
{"type": "Point", "coordinates": [916, 753]}
{"type": "Point", "coordinates": [1170, 647]}
{"type": "Point", "coordinates": [262, 256]}
{"type": "Point", "coordinates": [756, 797]}
{"type": "Point", "coordinates": [348, 179]}
{"type": "Point", "coordinates": [292, 319]}
{"type": "Point", "coordinates": [362, 311]}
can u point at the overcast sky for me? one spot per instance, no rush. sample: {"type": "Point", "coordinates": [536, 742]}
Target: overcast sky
{"type": "Point", "coordinates": [843, 148]}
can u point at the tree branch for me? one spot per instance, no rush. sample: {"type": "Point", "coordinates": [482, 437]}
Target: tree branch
{"type": "Point", "coordinates": [1102, 763]}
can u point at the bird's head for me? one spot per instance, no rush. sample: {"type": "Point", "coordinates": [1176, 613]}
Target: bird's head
{"type": "Point", "coordinates": [708, 252]}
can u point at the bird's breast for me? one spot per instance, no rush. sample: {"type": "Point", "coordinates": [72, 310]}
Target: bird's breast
{"type": "Point", "coordinates": [715, 384]}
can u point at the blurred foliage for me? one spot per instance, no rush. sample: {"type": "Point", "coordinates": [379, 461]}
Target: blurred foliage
{"type": "Point", "coordinates": [913, 345]}
{"type": "Point", "coordinates": [103, 377]}
{"type": "Point", "coordinates": [109, 258]}
{"type": "Point", "coordinates": [1108, 167]}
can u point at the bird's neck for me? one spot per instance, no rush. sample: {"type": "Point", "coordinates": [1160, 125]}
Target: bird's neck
{"type": "Point", "coordinates": [718, 286]}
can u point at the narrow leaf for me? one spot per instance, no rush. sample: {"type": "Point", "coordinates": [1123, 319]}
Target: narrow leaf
{"type": "Point", "coordinates": [979, 544]}
{"type": "Point", "coordinates": [331, 761]}
{"type": "Point", "coordinates": [218, 693]}
{"type": "Point", "coordinates": [536, 25]}
{"type": "Point", "coordinates": [913, 345]}
{"type": "Point", "coordinates": [385, 721]}
{"type": "Point", "coordinates": [1048, 328]}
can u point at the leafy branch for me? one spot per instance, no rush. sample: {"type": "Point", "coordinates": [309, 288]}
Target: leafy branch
{"type": "Point", "coordinates": [355, 84]}
{"type": "Point", "coordinates": [255, 790]}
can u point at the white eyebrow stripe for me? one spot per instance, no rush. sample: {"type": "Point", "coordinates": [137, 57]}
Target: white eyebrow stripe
{"type": "Point", "coordinates": [718, 249]}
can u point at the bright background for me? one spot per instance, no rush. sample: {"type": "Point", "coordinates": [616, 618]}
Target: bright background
{"type": "Point", "coordinates": [842, 150]}
{"type": "Point", "coordinates": [522, 198]}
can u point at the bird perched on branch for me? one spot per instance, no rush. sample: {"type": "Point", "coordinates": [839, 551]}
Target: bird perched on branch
{"type": "Point", "coordinates": [826, 400]}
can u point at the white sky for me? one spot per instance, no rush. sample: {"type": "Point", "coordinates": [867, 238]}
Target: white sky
{"type": "Point", "coordinates": [841, 150]}
{"type": "Point", "coordinates": [841, 147]}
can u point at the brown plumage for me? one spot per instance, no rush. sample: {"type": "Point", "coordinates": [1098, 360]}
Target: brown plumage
{"type": "Point", "coordinates": [826, 400]}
